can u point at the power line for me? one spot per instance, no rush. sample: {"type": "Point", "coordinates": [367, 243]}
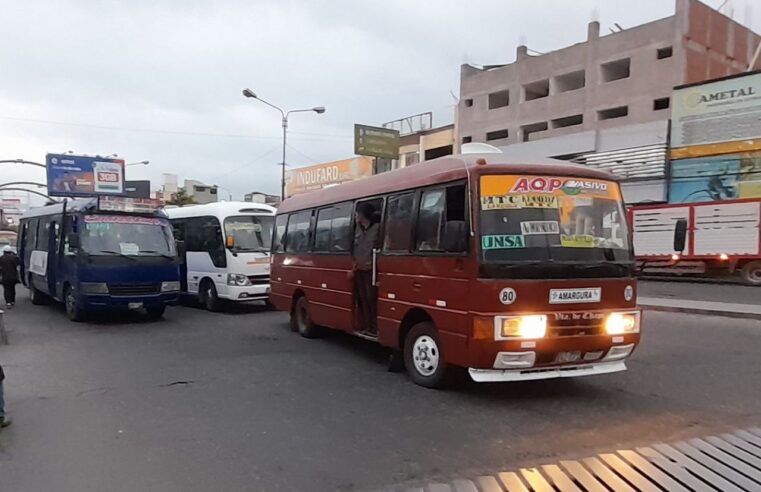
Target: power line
{"type": "Point", "coordinates": [325, 136]}
{"type": "Point", "coordinates": [249, 164]}
{"type": "Point", "coordinates": [302, 154]}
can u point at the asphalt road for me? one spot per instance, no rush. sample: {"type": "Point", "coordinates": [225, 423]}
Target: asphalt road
{"type": "Point", "coordinates": [233, 402]}
{"type": "Point", "coordinates": [700, 291]}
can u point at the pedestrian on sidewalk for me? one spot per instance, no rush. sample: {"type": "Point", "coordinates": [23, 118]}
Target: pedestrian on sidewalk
{"type": "Point", "coordinates": [4, 420]}
{"type": "Point", "coordinates": [9, 264]}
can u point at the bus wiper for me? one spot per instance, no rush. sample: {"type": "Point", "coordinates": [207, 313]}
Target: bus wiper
{"type": "Point", "coordinates": [117, 253]}
{"type": "Point", "coordinates": [157, 253]}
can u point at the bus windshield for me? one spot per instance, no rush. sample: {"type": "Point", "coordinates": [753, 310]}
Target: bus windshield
{"type": "Point", "coordinates": [104, 235]}
{"type": "Point", "coordinates": [548, 219]}
{"type": "Point", "coordinates": [250, 232]}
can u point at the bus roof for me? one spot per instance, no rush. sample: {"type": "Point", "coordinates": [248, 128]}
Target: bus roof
{"type": "Point", "coordinates": [220, 210]}
{"type": "Point", "coordinates": [441, 170]}
{"type": "Point", "coordinates": [72, 205]}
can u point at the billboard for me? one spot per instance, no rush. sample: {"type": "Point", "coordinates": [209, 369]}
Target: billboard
{"type": "Point", "coordinates": [320, 176]}
{"type": "Point", "coordinates": [715, 178]}
{"type": "Point", "coordinates": [74, 175]}
{"type": "Point", "coordinates": [137, 188]}
{"type": "Point", "coordinates": [726, 110]}
{"type": "Point", "coordinates": [376, 141]}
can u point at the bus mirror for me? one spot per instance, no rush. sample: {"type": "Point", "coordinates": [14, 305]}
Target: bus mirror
{"type": "Point", "coordinates": [230, 242]}
{"type": "Point", "coordinates": [680, 235]}
{"type": "Point", "coordinates": [73, 240]}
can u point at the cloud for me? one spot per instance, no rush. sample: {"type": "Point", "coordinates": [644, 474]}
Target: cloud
{"type": "Point", "coordinates": [175, 70]}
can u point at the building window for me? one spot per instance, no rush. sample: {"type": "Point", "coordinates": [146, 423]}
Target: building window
{"type": "Point", "coordinates": [496, 135]}
{"type": "Point", "coordinates": [536, 90]}
{"type": "Point", "coordinates": [615, 70]}
{"type": "Point", "coordinates": [570, 81]}
{"type": "Point", "coordinates": [666, 52]}
{"type": "Point", "coordinates": [574, 120]}
{"type": "Point", "coordinates": [467, 139]}
{"type": "Point", "coordinates": [468, 103]}
{"type": "Point", "coordinates": [662, 103]}
{"type": "Point", "coordinates": [609, 114]}
{"type": "Point", "coordinates": [528, 130]}
{"type": "Point", "coordinates": [499, 99]}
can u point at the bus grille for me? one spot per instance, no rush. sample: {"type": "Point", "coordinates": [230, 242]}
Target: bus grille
{"type": "Point", "coordinates": [259, 279]}
{"type": "Point", "coordinates": [575, 327]}
{"type": "Point", "coordinates": [136, 289]}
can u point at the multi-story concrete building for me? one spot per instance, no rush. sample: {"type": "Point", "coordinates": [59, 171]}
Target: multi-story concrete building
{"type": "Point", "coordinates": [201, 193]}
{"type": "Point", "coordinates": [611, 80]}
{"type": "Point", "coordinates": [604, 101]}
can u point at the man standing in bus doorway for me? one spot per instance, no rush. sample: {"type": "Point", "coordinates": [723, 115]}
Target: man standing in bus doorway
{"type": "Point", "coordinates": [366, 238]}
{"type": "Point", "coordinates": [9, 264]}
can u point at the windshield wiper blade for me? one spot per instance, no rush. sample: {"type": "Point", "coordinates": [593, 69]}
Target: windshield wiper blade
{"type": "Point", "coordinates": [117, 253]}
{"type": "Point", "coordinates": [157, 253]}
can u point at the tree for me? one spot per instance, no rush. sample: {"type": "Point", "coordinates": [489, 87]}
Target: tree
{"type": "Point", "coordinates": [181, 198]}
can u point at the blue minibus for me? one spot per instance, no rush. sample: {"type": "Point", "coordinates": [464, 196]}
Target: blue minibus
{"type": "Point", "coordinates": [99, 254]}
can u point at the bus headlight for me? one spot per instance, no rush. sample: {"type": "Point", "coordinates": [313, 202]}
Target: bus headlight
{"type": "Point", "coordinates": [173, 286]}
{"type": "Point", "coordinates": [529, 326]}
{"type": "Point", "coordinates": [93, 288]}
{"type": "Point", "coordinates": [238, 280]}
{"type": "Point", "coordinates": [622, 323]}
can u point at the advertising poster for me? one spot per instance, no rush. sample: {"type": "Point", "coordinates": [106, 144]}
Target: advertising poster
{"type": "Point", "coordinates": [73, 175]}
{"type": "Point", "coordinates": [716, 178]}
{"type": "Point", "coordinates": [320, 176]}
{"type": "Point", "coordinates": [725, 110]}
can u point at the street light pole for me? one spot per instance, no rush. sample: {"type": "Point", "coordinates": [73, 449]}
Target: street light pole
{"type": "Point", "coordinates": [284, 114]}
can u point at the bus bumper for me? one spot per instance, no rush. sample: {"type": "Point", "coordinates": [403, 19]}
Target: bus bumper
{"type": "Point", "coordinates": [101, 302]}
{"type": "Point", "coordinates": [550, 358]}
{"type": "Point", "coordinates": [247, 293]}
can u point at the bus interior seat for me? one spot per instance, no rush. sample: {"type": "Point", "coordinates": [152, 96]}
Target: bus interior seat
{"type": "Point", "coordinates": [454, 236]}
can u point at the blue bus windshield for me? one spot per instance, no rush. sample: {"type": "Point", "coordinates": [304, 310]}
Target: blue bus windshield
{"type": "Point", "coordinates": [127, 235]}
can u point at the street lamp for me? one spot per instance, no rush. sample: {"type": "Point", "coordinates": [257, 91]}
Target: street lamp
{"type": "Point", "coordinates": [140, 163]}
{"type": "Point", "coordinates": [317, 109]}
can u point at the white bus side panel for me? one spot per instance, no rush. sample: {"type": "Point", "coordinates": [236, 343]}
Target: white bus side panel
{"type": "Point", "coordinates": [200, 266]}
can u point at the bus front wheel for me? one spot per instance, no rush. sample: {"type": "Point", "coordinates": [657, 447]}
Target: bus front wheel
{"type": "Point", "coordinates": [73, 310]}
{"type": "Point", "coordinates": [423, 358]}
{"type": "Point", "coordinates": [208, 295]}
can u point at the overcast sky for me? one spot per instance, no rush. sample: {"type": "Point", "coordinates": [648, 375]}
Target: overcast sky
{"type": "Point", "coordinates": [161, 80]}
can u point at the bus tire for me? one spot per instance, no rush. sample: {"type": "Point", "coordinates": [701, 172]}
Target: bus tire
{"type": "Point", "coordinates": [751, 273]}
{"type": "Point", "coordinates": [37, 297]}
{"type": "Point", "coordinates": [155, 312]}
{"type": "Point", "coordinates": [301, 319]}
{"type": "Point", "coordinates": [73, 309]}
{"type": "Point", "coordinates": [208, 296]}
{"type": "Point", "coordinates": [423, 358]}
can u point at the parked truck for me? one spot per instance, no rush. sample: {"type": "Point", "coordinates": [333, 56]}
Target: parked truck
{"type": "Point", "coordinates": [722, 239]}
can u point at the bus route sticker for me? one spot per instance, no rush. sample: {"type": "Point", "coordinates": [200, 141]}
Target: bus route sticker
{"type": "Point", "coordinates": [577, 241]}
{"type": "Point", "coordinates": [502, 241]}
{"type": "Point", "coordinates": [509, 202]}
{"type": "Point", "coordinates": [540, 227]}
{"type": "Point", "coordinates": [507, 295]}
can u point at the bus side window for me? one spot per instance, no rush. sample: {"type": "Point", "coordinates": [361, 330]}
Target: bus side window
{"type": "Point", "coordinates": [341, 236]}
{"type": "Point", "coordinates": [68, 229]}
{"type": "Point", "coordinates": [278, 241]}
{"type": "Point", "coordinates": [441, 222]}
{"type": "Point", "coordinates": [31, 237]}
{"type": "Point", "coordinates": [298, 232]}
{"type": "Point", "coordinates": [211, 241]}
{"type": "Point", "coordinates": [43, 234]}
{"type": "Point", "coordinates": [398, 228]}
{"type": "Point", "coordinates": [322, 229]}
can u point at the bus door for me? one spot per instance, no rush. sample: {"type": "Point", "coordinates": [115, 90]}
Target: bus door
{"type": "Point", "coordinates": [54, 228]}
{"type": "Point", "coordinates": [178, 228]}
{"type": "Point", "coordinates": [365, 251]}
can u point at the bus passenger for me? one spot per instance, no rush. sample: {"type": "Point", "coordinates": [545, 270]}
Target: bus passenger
{"type": "Point", "coordinates": [366, 238]}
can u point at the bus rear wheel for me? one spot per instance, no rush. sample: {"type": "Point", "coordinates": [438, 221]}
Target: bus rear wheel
{"type": "Point", "coordinates": [751, 273]}
{"type": "Point", "coordinates": [301, 320]}
{"type": "Point", "coordinates": [423, 358]}
{"type": "Point", "coordinates": [37, 297]}
{"type": "Point", "coordinates": [73, 310]}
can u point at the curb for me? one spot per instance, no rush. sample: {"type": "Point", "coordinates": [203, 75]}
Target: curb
{"type": "Point", "coordinates": [704, 311]}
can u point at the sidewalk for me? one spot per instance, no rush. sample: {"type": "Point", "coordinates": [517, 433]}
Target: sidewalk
{"type": "Point", "coordinates": [750, 311]}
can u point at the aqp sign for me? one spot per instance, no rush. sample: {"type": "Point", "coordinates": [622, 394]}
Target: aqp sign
{"type": "Point", "coordinates": [74, 175]}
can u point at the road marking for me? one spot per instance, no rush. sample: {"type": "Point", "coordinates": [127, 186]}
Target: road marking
{"type": "Point", "coordinates": [727, 462]}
